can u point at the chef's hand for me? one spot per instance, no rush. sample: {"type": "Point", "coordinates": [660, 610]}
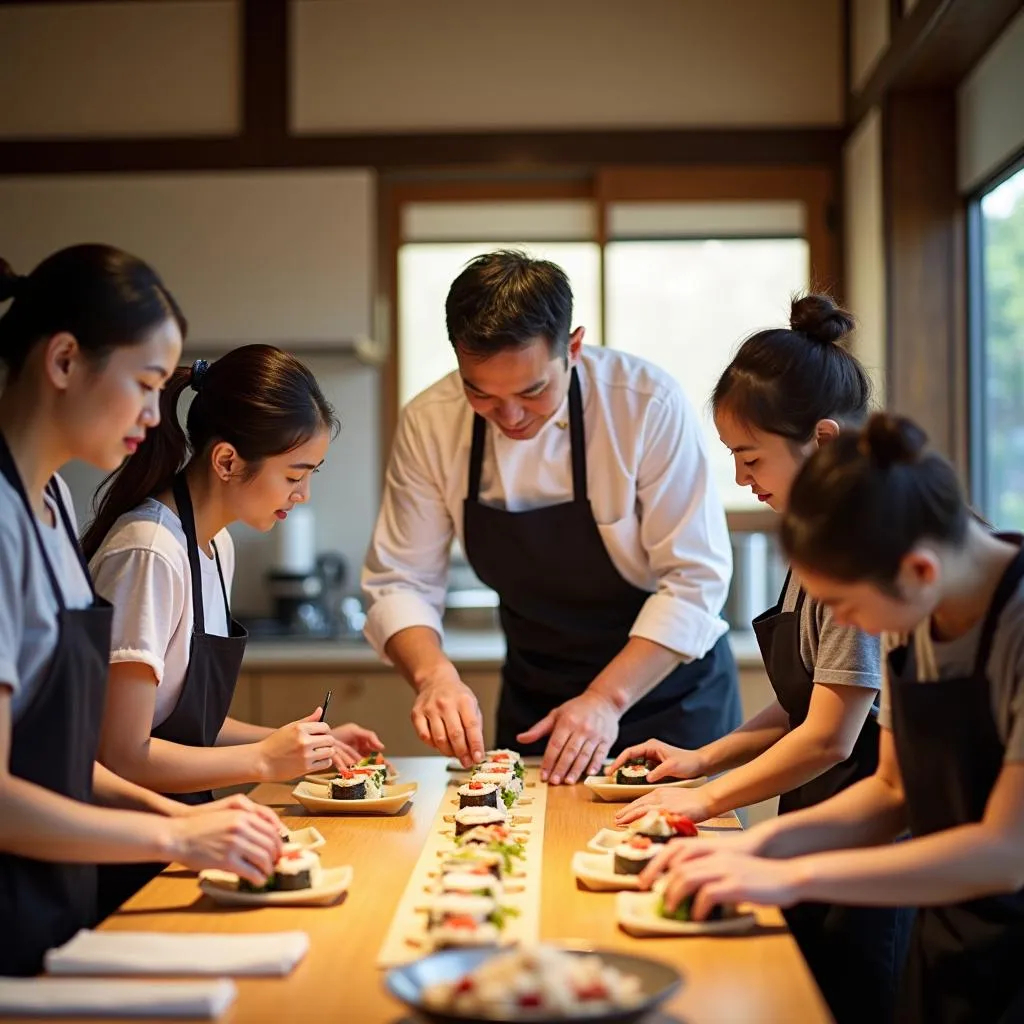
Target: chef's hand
{"type": "Point", "coordinates": [678, 852]}
{"type": "Point", "coordinates": [237, 802]}
{"type": "Point", "coordinates": [674, 762]}
{"type": "Point", "coordinates": [353, 743]}
{"type": "Point", "coordinates": [239, 841]}
{"type": "Point", "coordinates": [582, 732]}
{"type": "Point", "coordinates": [447, 716]}
{"type": "Point", "coordinates": [689, 802]}
{"type": "Point", "coordinates": [727, 877]}
{"type": "Point", "coordinates": [299, 747]}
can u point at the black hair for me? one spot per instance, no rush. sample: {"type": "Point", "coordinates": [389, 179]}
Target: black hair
{"type": "Point", "coordinates": [864, 500]}
{"type": "Point", "coordinates": [102, 296]}
{"type": "Point", "coordinates": [262, 401]}
{"type": "Point", "coordinates": [505, 300]}
{"type": "Point", "coordinates": [784, 381]}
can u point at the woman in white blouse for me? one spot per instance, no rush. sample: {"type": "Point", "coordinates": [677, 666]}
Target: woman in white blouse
{"type": "Point", "coordinates": [577, 482]}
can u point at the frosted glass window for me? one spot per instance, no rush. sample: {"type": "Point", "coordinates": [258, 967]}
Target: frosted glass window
{"type": "Point", "coordinates": [687, 304]}
{"type": "Point", "coordinates": [425, 273]}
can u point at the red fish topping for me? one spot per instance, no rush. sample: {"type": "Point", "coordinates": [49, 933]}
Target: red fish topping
{"type": "Point", "coordinates": [530, 1000]}
{"type": "Point", "coordinates": [346, 773]}
{"type": "Point", "coordinates": [460, 921]}
{"type": "Point", "coordinates": [465, 985]}
{"type": "Point", "coordinates": [476, 785]}
{"type": "Point", "coordinates": [640, 842]}
{"type": "Point", "coordinates": [681, 825]}
{"type": "Point", "coordinates": [594, 991]}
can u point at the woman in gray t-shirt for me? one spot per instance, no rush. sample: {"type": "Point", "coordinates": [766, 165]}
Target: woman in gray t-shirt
{"type": "Point", "coordinates": [88, 340]}
{"type": "Point", "coordinates": [786, 393]}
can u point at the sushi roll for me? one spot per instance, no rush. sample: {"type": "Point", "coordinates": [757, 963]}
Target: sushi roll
{"type": "Point", "coordinates": [351, 785]}
{"type": "Point", "coordinates": [684, 911]}
{"type": "Point", "coordinates": [457, 932]}
{"type": "Point", "coordinates": [478, 882]}
{"type": "Point", "coordinates": [510, 787]}
{"type": "Point", "coordinates": [478, 794]}
{"type": "Point", "coordinates": [478, 908]}
{"type": "Point", "coordinates": [474, 858]}
{"type": "Point", "coordinates": [377, 772]}
{"type": "Point", "coordinates": [632, 856]}
{"type": "Point", "coordinates": [296, 868]}
{"type": "Point", "coordinates": [470, 817]}
{"type": "Point", "coordinates": [661, 826]}
{"type": "Point", "coordinates": [632, 775]}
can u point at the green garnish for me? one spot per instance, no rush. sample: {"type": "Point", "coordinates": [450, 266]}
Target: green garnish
{"type": "Point", "coordinates": [519, 770]}
{"type": "Point", "coordinates": [681, 913]}
{"type": "Point", "coordinates": [508, 798]}
{"type": "Point", "coordinates": [507, 852]}
{"type": "Point", "coordinates": [500, 915]}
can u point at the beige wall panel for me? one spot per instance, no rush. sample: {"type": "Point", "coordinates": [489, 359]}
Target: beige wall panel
{"type": "Point", "coordinates": [865, 246]}
{"type": "Point", "coordinates": [406, 65]}
{"type": "Point", "coordinates": [120, 69]}
{"type": "Point", "coordinates": [869, 37]}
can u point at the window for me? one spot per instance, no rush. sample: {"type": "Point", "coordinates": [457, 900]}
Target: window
{"type": "Point", "coordinates": [998, 350]}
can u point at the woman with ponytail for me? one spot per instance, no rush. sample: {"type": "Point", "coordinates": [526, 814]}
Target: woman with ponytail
{"type": "Point", "coordinates": [878, 530]}
{"type": "Point", "coordinates": [257, 429]}
{"type": "Point", "coordinates": [88, 341]}
{"type": "Point", "coordinates": [787, 393]}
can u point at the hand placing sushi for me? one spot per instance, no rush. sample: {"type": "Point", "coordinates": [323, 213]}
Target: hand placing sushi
{"type": "Point", "coordinates": [582, 732]}
{"type": "Point", "coordinates": [446, 715]}
{"type": "Point", "coordinates": [353, 743]}
{"type": "Point", "coordinates": [673, 762]}
{"type": "Point", "coordinates": [714, 874]}
{"type": "Point", "coordinates": [688, 802]}
{"type": "Point", "coordinates": [677, 852]}
{"type": "Point", "coordinates": [297, 748]}
{"type": "Point", "coordinates": [240, 841]}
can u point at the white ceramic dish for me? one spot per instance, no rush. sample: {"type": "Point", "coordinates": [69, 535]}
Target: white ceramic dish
{"type": "Point", "coordinates": [222, 886]}
{"type": "Point", "coordinates": [316, 798]}
{"type": "Point", "coordinates": [636, 913]}
{"type": "Point", "coordinates": [614, 793]}
{"type": "Point", "coordinates": [597, 872]}
{"type": "Point", "coordinates": [325, 777]}
{"type": "Point", "coordinates": [309, 837]}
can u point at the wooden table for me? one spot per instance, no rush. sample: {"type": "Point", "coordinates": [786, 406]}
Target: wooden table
{"type": "Point", "coordinates": [754, 979]}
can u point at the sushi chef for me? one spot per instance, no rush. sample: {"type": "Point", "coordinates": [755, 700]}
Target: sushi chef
{"type": "Point", "coordinates": [577, 482]}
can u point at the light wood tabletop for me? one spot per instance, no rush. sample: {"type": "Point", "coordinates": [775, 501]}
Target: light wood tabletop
{"type": "Point", "coordinates": [758, 978]}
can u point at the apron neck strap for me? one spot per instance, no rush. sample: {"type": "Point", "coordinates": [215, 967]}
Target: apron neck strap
{"type": "Point", "coordinates": [1008, 584]}
{"type": "Point", "coordinates": [577, 444]}
{"type": "Point", "coordinates": [10, 473]}
{"type": "Point", "coordinates": [183, 500]}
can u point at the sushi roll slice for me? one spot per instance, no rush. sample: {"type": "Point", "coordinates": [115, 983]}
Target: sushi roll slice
{"type": "Point", "coordinates": [470, 817]}
{"type": "Point", "coordinates": [471, 883]}
{"type": "Point", "coordinates": [458, 932]}
{"type": "Point", "coordinates": [632, 856]}
{"type": "Point", "coordinates": [475, 858]}
{"type": "Point", "coordinates": [632, 775]}
{"type": "Point", "coordinates": [661, 826]}
{"type": "Point", "coordinates": [351, 785]}
{"type": "Point", "coordinates": [478, 794]}
{"type": "Point", "coordinates": [479, 908]}
{"type": "Point", "coordinates": [378, 773]}
{"type": "Point", "coordinates": [296, 868]}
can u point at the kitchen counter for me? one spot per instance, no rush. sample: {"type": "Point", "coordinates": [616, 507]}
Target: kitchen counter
{"type": "Point", "coordinates": [483, 648]}
{"type": "Point", "coordinates": [759, 978]}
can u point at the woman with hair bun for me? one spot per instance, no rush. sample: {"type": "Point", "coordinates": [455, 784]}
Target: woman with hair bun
{"type": "Point", "coordinates": [88, 340]}
{"type": "Point", "coordinates": [879, 531]}
{"type": "Point", "coordinates": [787, 393]}
{"type": "Point", "coordinates": [257, 430]}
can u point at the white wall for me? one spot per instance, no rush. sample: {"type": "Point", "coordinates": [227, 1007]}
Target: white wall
{"type": "Point", "coordinates": [410, 65]}
{"type": "Point", "coordinates": [864, 247]}
{"type": "Point", "coordinates": [141, 69]}
{"type": "Point", "coordinates": [990, 109]}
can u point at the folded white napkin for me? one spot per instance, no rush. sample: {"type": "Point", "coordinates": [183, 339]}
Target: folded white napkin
{"type": "Point", "coordinates": [274, 953]}
{"type": "Point", "coordinates": [53, 997]}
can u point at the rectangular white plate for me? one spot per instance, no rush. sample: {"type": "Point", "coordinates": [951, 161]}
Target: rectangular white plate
{"type": "Point", "coordinates": [309, 838]}
{"type": "Point", "coordinates": [222, 886]}
{"type": "Point", "coordinates": [597, 872]}
{"type": "Point", "coordinates": [315, 797]}
{"type": "Point", "coordinates": [636, 913]}
{"type": "Point", "coordinates": [614, 793]}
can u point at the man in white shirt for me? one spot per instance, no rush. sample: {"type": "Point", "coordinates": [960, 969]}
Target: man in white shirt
{"type": "Point", "coordinates": [577, 482]}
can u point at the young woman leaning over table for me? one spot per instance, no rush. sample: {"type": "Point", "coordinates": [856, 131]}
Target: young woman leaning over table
{"type": "Point", "coordinates": [787, 393]}
{"type": "Point", "coordinates": [88, 341]}
{"type": "Point", "coordinates": [257, 431]}
{"type": "Point", "coordinates": [878, 530]}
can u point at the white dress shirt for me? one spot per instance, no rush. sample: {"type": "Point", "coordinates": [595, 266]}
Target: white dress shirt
{"type": "Point", "coordinates": [649, 486]}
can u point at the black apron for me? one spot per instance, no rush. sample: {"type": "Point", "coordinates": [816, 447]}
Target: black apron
{"type": "Point", "coordinates": [213, 666]}
{"type": "Point", "coordinates": [855, 953]}
{"type": "Point", "coordinates": [965, 962]}
{"type": "Point", "coordinates": [566, 613]}
{"type": "Point", "coordinates": [53, 744]}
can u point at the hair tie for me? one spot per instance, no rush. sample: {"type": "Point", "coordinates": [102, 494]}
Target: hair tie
{"type": "Point", "coordinates": [199, 369]}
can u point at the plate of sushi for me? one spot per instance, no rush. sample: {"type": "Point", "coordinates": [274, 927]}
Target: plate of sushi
{"type": "Point", "coordinates": [298, 879]}
{"type": "Point", "coordinates": [643, 915]}
{"type": "Point", "coordinates": [310, 838]}
{"type": "Point", "coordinates": [657, 825]}
{"type": "Point", "coordinates": [615, 869]}
{"type": "Point", "coordinates": [542, 983]}
{"type": "Point", "coordinates": [352, 792]}
{"type": "Point", "coordinates": [630, 781]}
{"type": "Point", "coordinates": [375, 762]}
